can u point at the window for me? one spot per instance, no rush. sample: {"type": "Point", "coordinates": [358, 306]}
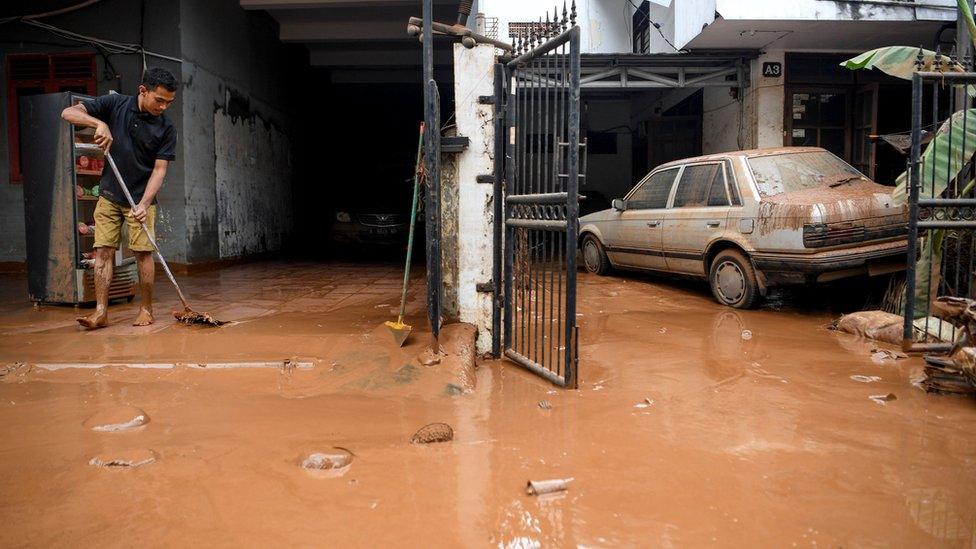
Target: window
{"type": "Point", "coordinates": [790, 172]}
{"type": "Point", "coordinates": [641, 25]}
{"type": "Point", "coordinates": [525, 29]}
{"type": "Point", "coordinates": [654, 192]}
{"type": "Point", "coordinates": [733, 186]}
{"type": "Point", "coordinates": [33, 74]}
{"type": "Point", "coordinates": [701, 185]}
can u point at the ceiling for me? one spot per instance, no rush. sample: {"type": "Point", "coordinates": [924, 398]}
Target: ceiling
{"type": "Point", "coordinates": [364, 40]}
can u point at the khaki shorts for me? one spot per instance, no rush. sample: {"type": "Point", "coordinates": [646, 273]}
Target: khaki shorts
{"type": "Point", "coordinates": [108, 226]}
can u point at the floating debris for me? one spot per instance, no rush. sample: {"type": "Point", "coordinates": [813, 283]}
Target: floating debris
{"type": "Point", "coordinates": [865, 379]}
{"type": "Point", "coordinates": [337, 458]}
{"type": "Point", "coordinates": [882, 355]}
{"type": "Point", "coordinates": [132, 458]}
{"type": "Point", "coordinates": [540, 487]}
{"type": "Point", "coordinates": [124, 418]}
{"type": "Point", "coordinates": [545, 405]}
{"type": "Point", "coordinates": [746, 335]}
{"type": "Point", "coordinates": [883, 399]}
{"type": "Point", "coordinates": [646, 403]}
{"type": "Point", "coordinates": [433, 432]}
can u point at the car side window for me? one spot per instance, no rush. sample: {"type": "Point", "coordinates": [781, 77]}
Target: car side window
{"type": "Point", "coordinates": [695, 185]}
{"type": "Point", "coordinates": [717, 191]}
{"type": "Point", "coordinates": [654, 192]}
{"type": "Point", "coordinates": [733, 187]}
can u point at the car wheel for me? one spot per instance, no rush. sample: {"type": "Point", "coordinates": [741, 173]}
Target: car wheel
{"type": "Point", "coordinates": [594, 256]}
{"type": "Point", "coordinates": [733, 280]}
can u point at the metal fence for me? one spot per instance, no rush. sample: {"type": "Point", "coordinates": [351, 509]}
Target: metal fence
{"type": "Point", "coordinates": [542, 108]}
{"type": "Point", "coordinates": [942, 203]}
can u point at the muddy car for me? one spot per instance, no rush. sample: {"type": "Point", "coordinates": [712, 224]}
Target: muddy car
{"type": "Point", "coordinates": [750, 220]}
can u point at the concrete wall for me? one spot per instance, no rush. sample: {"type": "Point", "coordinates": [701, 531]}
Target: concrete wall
{"type": "Point", "coordinates": [682, 20]}
{"type": "Point", "coordinates": [605, 25]}
{"type": "Point", "coordinates": [609, 174]}
{"type": "Point", "coordinates": [242, 89]}
{"type": "Point", "coordinates": [117, 20]}
{"type": "Point", "coordinates": [236, 79]}
{"type": "Point", "coordinates": [722, 117]}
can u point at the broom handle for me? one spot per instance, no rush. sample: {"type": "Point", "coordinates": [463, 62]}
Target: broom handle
{"type": "Point", "coordinates": [132, 204]}
{"type": "Point", "coordinates": [413, 219]}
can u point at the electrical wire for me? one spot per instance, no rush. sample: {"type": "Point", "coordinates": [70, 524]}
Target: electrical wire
{"type": "Point", "coordinates": [51, 13]}
{"type": "Point", "coordinates": [109, 45]}
{"type": "Point", "coordinates": [656, 25]}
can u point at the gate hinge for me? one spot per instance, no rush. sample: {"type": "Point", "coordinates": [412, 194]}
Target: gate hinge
{"type": "Point", "coordinates": [485, 287]}
{"type": "Point", "coordinates": [454, 144]}
{"type": "Point", "coordinates": [485, 178]}
{"type": "Point", "coordinates": [486, 99]}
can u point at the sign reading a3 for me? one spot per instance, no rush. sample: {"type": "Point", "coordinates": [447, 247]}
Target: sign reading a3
{"type": "Point", "coordinates": [772, 69]}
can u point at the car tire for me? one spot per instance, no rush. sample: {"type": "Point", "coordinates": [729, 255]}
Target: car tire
{"type": "Point", "coordinates": [733, 280]}
{"type": "Point", "coordinates": [595, 258]}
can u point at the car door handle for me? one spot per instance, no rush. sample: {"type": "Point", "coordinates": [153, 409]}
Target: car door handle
{"type": "Point", "coordinates": [712, 224]}
{"type": "Point", "coordinates": [653, 223]}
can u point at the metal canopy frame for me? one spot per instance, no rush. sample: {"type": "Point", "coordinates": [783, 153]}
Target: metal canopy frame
{"type": "Point", "coordinates": [669, 70]}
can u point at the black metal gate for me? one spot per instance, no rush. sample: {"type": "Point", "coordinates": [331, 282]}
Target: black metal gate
{"type": "Point", "coordinates": [942, 204]}
{"type": "Point", "coordinates": [540, 94]}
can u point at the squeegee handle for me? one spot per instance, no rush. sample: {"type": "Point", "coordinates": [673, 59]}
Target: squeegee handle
{"type": "Point", "coordinates": [413, 222]}
{"type": "Point", "coordinates": [132, 204]}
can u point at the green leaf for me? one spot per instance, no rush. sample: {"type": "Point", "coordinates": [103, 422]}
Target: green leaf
{"type": "Point", "coordinates": [898, 61]}
{"type": "Point", "coordinates": [953, 145]}
{"type": "Point", "coordinates": [967, 16]}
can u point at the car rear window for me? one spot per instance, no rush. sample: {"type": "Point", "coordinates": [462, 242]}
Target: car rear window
{"type": "Point", "coordinates": [654, 192]}
{"type": "Point", "coordinates": [788, 172]}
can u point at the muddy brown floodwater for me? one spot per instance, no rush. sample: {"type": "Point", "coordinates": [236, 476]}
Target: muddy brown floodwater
{"type": "Point", "coordinates": [693, 424]}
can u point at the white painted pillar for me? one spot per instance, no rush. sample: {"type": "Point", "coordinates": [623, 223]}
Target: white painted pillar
{"type": "Point", "coordinates": [769, 94]}
{"type": "Point", "coordinates": [473, 77]}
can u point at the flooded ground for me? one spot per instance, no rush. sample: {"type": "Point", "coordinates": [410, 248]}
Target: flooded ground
{"type": "Point", "coordinates": [694, 424]}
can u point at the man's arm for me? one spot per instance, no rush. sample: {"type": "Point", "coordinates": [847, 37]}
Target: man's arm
{"type": "Point", "coordinates": [78, 115]}
{"type": "Point", "coordinates": [141, 211]}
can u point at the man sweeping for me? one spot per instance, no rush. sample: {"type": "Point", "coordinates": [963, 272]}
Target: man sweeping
{"type": "Point", "coordinates": [143, 142]}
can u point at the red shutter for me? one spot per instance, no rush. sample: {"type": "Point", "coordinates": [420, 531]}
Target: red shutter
{"type": "Point", "coordinates": [29, 73]}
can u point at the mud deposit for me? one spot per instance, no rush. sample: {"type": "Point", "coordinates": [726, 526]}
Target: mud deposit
{"type": "Point", "coordinates": [770, 440]}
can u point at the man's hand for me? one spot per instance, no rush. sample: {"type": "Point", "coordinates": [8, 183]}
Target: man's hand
{"type": "Point", "coordinates": [140, 213]}
{"type": "Point", "coordinates": [103, 137]}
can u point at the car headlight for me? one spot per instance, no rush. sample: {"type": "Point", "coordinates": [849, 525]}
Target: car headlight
{"type": "Point", "coordinates": [343, 217]}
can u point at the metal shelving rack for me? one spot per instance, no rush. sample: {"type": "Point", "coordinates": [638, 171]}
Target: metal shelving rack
{"type": "Point", "coordinates": [59, 200]}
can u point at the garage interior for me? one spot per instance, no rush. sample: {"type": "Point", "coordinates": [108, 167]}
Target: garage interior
{"type": "Point", "coordinates": [640, 111]}
{"type": "Point", "coordinates": [359, 148]}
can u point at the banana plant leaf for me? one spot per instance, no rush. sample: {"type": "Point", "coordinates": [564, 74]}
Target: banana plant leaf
{"type": "Point", "coordinates": [899, 61]}
{"type": "Point", "coordinates": [928, 274]}
{"type": "Point", "coordinates": [953, 145]}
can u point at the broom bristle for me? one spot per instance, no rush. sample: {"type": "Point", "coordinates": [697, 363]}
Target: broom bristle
{"type": "Point", "coordinates": [192, 317]}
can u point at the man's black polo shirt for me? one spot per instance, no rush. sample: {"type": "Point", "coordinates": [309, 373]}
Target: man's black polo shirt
{"type": "Point", "coordinates": [138, 140]}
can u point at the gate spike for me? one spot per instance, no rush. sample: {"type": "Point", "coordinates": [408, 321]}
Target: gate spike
{"type": "Point", "coordinates": [547, 29]}
{"type": "Point", "coordinates": [518, 42]}
{"type": "Point", "coordinates": [952, 57]}
{"type": "Point", "coordinates": [562, 22]}
{"type": "Point", "coordinates": [572, 14]}
{"type": "Point", "coordinates": [937, 62]}
{"type": "Point", "coordinates": [920, 60]}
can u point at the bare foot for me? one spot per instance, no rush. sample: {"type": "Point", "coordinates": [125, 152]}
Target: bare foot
{"type": "Point", "coordinates": [98, 319]}
{"type": "Point", "coordinates": [144, 318]}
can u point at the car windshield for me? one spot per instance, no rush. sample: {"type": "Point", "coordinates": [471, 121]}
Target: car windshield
{"type": "Point", "coordinates": [798, 171]}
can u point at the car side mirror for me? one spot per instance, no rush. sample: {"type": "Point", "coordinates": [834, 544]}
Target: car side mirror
{"type": "Point", "coordinates": [619, 205]}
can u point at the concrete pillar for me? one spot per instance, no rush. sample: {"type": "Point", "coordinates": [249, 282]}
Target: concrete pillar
{"type": "Point", "coordinates": [768, 96]}
{"type": "Point", "coordinates": [474, 77]}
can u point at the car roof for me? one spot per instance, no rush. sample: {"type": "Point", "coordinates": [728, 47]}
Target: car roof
{"type": "Point", "coordinates": [749, 153]}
